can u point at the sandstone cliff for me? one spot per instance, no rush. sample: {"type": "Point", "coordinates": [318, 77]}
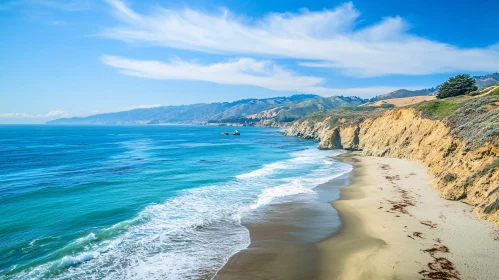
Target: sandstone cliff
{"type": "Point", "coordinates": [460, 149]}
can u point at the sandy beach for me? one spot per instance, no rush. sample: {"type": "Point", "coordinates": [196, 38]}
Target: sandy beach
{"type": "Point", "coordinates": [397, 227]}
{"type": "Point", "coordinates": [394, 226]}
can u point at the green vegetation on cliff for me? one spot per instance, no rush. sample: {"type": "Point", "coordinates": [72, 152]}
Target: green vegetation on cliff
{"type": "Point", "coordinates": [477, 121]}
{"type": "Point", "coordinates": [439, 108]}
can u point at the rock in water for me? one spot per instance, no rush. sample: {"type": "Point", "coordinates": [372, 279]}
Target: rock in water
{"type": "Point", "coordinates": [225, 133]}
{"type": "Point", "coordinates": [236, 132]}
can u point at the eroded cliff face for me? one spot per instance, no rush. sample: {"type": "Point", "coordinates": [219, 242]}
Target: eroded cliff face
{"type": "Point", "coordinates": [460, 173]}
{"type": "Point", "coordinates": [309, 129]}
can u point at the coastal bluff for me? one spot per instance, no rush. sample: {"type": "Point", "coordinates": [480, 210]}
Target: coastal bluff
{"type": "Point", "coordinates": [459, 146]}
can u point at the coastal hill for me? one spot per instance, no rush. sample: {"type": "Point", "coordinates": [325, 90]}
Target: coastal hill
{"type": "Point", "coordinates": [270, 112]}
{"type": "Point", "coordinates": [400, 102]}
{"type": "Point", "coordinates": [242, 112]}
{"type": "Point", "coordinates": [456, 137]}
{"type": "Point", "coordinates": [486, 80]}
{"type": "Point", "coordinates": [401, 93]}
{"type": "Point", "coordinates": [285, 114]}
{"type": "Point", "coordinates": [194, 113]}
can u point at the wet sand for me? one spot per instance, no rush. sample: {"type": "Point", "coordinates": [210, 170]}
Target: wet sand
{"type": "Point", "coordinates": [283, 243]}
{"type": "Point", "coordinates": [394, 226]}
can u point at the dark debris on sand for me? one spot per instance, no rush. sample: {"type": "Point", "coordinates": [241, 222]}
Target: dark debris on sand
{"type": "Point", "coordinates": [401, 205]}
{"type": "Point", "coordinates": [418, 234]}
{"type": "Point", "coordinates": [385, 167]}
{"type": "Point", "coordinates": [440, 267]}
{"type": "Point", "coordinates": [429, 224]}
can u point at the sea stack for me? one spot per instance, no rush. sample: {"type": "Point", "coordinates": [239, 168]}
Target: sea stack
{"type": "Point", "coordinates": [225, 133]}
{"type": "Point", "coordinates": [236, 132]}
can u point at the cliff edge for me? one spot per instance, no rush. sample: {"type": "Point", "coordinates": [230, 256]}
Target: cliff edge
{"type": "Point", "coordinates": [457, 138]}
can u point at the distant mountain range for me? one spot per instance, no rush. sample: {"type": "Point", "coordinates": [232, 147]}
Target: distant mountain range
{"type": "Point", "coordinates": [282, 109]}
{"type": "Point", "coordinates": [194, 113]}
{"type": "Point", "coordinates": [267, 111]}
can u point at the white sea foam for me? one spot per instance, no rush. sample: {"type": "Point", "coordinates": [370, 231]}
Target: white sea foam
{"type": "Point", "coordinates": [193, 234]}
{"type": "Point", "coordinates": [304, 157]}
{"type": "Point", "coordinates": [266, 170]}
{"type": "Point", "coordinates": [33, 241]}
{"type": "Point", "coordinates": [268, 195]}
{"type": "Point", "coordinates": [68, 261]}
{"type": "Point", "coordinates": [90, 237]}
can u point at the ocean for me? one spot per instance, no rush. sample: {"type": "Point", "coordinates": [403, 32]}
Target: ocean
{"type": "Point", "coordinates": [143, 202]}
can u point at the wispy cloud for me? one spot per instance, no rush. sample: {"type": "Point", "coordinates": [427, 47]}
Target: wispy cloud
{"type": "Point", "coordinates": [241, 71]}
{"type": "Point", "coordinates": [49, 115]}
{"type": "Point", "coordinates": [328, 38]}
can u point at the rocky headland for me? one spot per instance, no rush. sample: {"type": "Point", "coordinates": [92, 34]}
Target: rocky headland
{"type": "Point", "coordinates": [456, 138]}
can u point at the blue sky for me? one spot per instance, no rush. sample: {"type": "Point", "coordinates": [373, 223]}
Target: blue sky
{"type": "Point", "coordinates": [77, 58]}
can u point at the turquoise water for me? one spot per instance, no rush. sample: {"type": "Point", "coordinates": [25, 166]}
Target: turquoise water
{"type": "Point", "coordinates": [141, 202]}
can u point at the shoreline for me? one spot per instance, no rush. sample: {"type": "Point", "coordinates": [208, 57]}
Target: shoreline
{"type": "Point", "coordinates": [395, 226]}
{"type": "Point", "coordinates": [284, 237]}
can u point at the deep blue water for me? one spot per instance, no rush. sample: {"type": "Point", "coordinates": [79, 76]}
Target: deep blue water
{"type": "Point", "coordinates": [144, 202]}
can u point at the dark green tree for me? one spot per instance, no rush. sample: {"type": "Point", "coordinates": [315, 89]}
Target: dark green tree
{"type": "Point", "coordinates": [458, 85]}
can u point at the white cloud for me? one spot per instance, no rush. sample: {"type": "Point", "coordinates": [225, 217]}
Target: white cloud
{"type": "Point", "coordinates": [327, 38]}
{"type": "Point", "coordinates": [49, 115]}
{"type": "Point", "coordinates": [242, 71]}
